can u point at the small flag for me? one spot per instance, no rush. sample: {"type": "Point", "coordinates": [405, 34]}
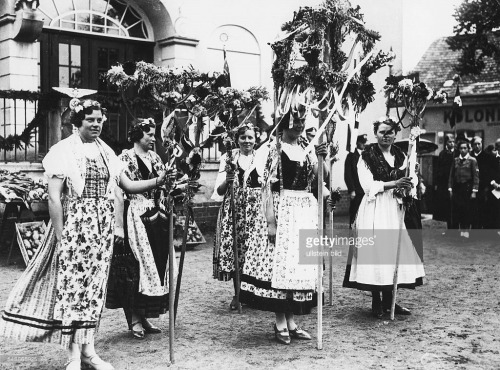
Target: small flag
{"type": "Point", "coordinates": [456, 108]}
{"type": "Point", "coordinates": [226, 69]}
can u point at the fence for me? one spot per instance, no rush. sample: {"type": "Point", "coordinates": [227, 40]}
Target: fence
{"type": "Point", "coordinates": [17, 111]}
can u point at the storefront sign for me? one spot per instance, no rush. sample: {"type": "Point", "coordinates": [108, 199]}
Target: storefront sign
{"type": "Point", "coordinates": [487, 115]}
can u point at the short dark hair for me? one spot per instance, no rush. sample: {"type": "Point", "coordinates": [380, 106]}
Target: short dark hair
{"type": "Point", "coordinates": [141, 126]}
{"type": "Point", "coordinates": [462, 141]}
{"type": "Point", "coordinates": [386, 121]}
{"type": "Point", "coordinates": [242, 129]}
{"type": "Point", "coordinates": [87, 107]}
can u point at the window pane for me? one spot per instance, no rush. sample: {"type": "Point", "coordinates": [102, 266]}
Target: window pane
{"type": "Point", "coordinates": [76, 59]}
{"type": "Point", "coordinates": [99, 5]}
{"type": "Point", "coordinates": [63, 6]}
{"type": "Point", "coordinates": [63, 54]}
{"type": "Point", "coordinates": [76, 77]}
{"type": "Point", "coordinates": [83, 27]}
{"type": "Point", "coordinates": [63, 77]}
{"type": "Point", "coordinates": [68, 25]}
{"type": "Point", "coordinates": [136, 31]}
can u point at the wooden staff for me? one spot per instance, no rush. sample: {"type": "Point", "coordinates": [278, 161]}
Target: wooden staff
{"type": "Point", "coordinates": [320, 258]}
{"type": "Point", "coordinates": [183, 253]}
{"type": "Point", "coordinates": [171, 291]}
{"type": "Point", "coordinates": [401, 221]}
{"type": "Point", "coordinates": [332, 211]}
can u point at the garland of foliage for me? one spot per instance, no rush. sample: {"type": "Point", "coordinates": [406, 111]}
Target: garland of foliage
{"type": "Point", "coordinates": [319, 34]}
{"type": "Point", "coordinates": [46, 103]}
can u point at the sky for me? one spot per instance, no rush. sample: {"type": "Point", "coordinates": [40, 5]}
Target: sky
{"type": "Point", "coordinates": [423, 22]}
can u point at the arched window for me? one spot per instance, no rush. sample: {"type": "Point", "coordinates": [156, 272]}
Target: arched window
{"type": "Point", "coordinates": [243, 55]}
{"type": "Point", "coordinates": [103, 17]}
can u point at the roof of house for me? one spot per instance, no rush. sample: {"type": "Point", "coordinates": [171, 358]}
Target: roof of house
{"type": "Point", "coordinates": [438, 63]}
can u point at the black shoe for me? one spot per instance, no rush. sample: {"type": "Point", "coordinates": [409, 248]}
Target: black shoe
{"type": "Point", "coordinates": [150, 328]}
{"type": "Point", "coordinates": [299, 333]}
{"type": "Point", "coordinates": [282, 336]}
{"type": "Point", "coordinates": [398, 310]}
{"type": "Point", "coordinates": [233, 306]}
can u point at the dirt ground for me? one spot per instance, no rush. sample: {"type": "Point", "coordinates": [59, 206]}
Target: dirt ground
{"type": "Point", "coordinates": [454, 324]}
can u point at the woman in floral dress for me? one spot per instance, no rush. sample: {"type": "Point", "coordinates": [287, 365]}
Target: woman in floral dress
{"type": "Point", "coordinates": [272, 279]}
{"type": "Point", "coordinates": [60, 296]}
{"type": "Point", "coordinates": [250, 223]}
{"type": "Point", "coordinates": [141, 290]}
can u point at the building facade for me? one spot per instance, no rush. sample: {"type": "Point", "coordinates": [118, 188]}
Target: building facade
{"type": "Point", "coordinates": [71, 43]}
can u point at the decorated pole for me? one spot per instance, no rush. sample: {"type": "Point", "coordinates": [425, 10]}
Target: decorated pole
{"type": "Point", "coordinates": [328, 83]}
{"type": "Point", "coordinates": [171, 290]}
{"type": "Point", "coordinates": [183, 253]}
{"type": "Point", "coordinates": [320, 256]}
{"type": "Point", "coordinates": [330, 258]}
{"type": "Point", "coordinates": [413, 96]}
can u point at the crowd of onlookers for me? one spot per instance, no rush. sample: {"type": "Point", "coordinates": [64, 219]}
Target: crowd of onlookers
{"type": "Point", "coordinates": [468, 186]}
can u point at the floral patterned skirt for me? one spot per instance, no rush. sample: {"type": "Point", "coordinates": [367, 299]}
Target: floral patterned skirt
{"type": "Point", "coordinates": [272, 279]}
{"type": "Point", "coordinates": [60, 296]}
{"type": "Point", "coordinates": [250, 231]}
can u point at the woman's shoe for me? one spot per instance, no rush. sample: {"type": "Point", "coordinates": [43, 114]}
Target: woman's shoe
{"type": "Point", "coordinates": [138, 334]}
{"type": "Point", "coordinates": [150, 328]}
{"type": "Point", "coordinates": [233, 306]}
{"type": "Point", "coordinates": [299, 333]}
{"type": "Point", "coordinates": [398, 310]}
{"type": "Point", "coordinates": [282, 336]}
{"type": "Point", "coordinates": [73, 364]}
{"type": "Point", "coordinates": [96, 363]}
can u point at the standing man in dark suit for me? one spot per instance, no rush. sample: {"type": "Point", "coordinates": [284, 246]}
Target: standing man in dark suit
{"type": "Point", "coordinates": [486, 164]}
{"type": "Point", "coordinates": [442, 209]}
{"type": "Point", "coordinates": [351, 177]}
{"type": "Point", "coordinates": [463, 185]}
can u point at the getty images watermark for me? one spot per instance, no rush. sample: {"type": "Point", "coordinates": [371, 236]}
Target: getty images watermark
{"type": "Point", "coordinates": [379, 247]}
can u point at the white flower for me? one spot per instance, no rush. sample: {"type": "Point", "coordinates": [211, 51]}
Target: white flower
{"type": "Point", "coordinates": [414, 133]}
{"type": "Point", "coordinates": [405, 84]}
{"type": "Point", "coordinates": [118, 69]}
{"type": "Point", "coordinates": [430, 93]}
{"type": "Point", "coordinates": [237, 103]}
{"type": "Point", "coordinates": [87, 103]}
{"type": "Point", "coordinates": [246, 97]}
{"type": "Point", "coordinates": [104, 118]}
{"type": "Point", "coordinates": [74, 103]}
{"type": "Point", "coordinates": [223, 90]}
{"type": "Point", "coordinates": [458, 100]}
{"type": "Point", "coordinates": [78, 108]}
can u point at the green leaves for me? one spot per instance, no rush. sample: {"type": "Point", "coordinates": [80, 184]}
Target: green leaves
{"type": "Point", "coordinates": [476, 35]}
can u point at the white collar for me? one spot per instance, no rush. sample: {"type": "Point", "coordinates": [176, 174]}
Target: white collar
{"type": "Point", "coordinates": [467, 156]}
